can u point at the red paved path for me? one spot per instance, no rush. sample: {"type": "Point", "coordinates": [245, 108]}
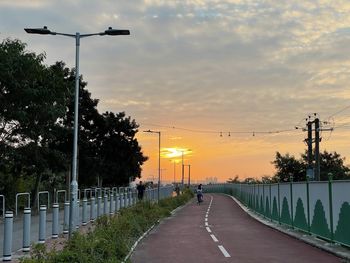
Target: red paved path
{"type": "Point", "coordinates": [184, 238]}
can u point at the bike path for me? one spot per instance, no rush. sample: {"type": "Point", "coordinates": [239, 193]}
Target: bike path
{"type": "Point", "coordinates": [218, 230]}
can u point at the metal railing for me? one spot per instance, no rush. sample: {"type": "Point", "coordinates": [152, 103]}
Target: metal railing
{"type": "Point", "coordinates": [113, 200]}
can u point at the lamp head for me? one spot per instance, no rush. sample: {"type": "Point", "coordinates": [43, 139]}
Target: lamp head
{"type": "Point", "coordinates": [115, 32]}
{"type": "Point", "coordinates": [41, 31]}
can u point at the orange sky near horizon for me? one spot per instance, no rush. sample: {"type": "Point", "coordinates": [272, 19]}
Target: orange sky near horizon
{"type": "Point", "coordinates": [225, 157]}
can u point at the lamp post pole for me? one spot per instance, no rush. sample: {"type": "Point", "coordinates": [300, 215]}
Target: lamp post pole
{"type": "Point", "coordinates": [158, 132]}
{"type": "Point", "coordinates": [182, 168]}
{"type": "Point", "coordinates": [189, 174]}
{"type": "Point", "coordinates": [77, 36]}
{"type": "Point", "coordinates": [174, 171]}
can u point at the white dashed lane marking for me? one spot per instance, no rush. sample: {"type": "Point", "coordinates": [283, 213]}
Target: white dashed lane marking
{"type": "Point", "coordinates": [223, 250]}
{"type": "Point", "coordinates": [221, 247]}
{"type": "Point", "coordinates": [214, 238]}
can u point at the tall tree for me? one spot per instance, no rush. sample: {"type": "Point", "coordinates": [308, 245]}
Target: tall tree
{"type": "Point", "coordinates": [33, 97]}
{"type": "Point", "coordinates": [288, 166]}
{"type": "Point", "coordinates": [109, 153]}
{"type": "Point", "coordinates": [331, 163]}
{"type": "Point", "coordinates": [36, 126]}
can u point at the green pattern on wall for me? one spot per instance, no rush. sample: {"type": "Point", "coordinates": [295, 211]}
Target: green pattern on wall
{"type": "Point", "coordinates": [319, 224]}
{"type": "Point", "coordinates": [267, 208]}
{"type": "Point", "coordinates": [257, 204]}
{"type": "Point", "coordinates": [261, 205]}
{"type": "Point", "coordinates": [300, 218]}
{"type": "Point", "coordinates": [342, 234]}
{"type": "Point", "coordinates": [274, 209]}
{"type": "Point", "coordinates": [285, 215]}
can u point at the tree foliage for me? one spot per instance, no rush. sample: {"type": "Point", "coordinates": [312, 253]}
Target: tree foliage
{"type": "Point", "coordinates": [288, 166]}
{"type": "Point", "coordinates": [331, 163]}
{"type": "Point", "coordinates": [36, 128]}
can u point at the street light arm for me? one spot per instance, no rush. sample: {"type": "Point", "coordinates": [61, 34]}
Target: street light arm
{"type": "Point", "coordinates": [150, 131]}
{"type": "Point", "coordinates": [45, 31]}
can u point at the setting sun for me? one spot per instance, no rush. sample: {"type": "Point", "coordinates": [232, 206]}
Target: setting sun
{"type": "Point", "coordinates": [174, 152]}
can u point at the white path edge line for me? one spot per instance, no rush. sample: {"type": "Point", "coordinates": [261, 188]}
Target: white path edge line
{"type": "Point", "coordinates": [137, 242]}
{"type": "Point", "coordinates": [206, 224]}
{"type": "Point", "coordinates": [208, 229]}
{"type": "Point", "coordinates": [214, 238]}
{"type": "Point", "coordinates": [146, 233]}
{"type": "Point", "coordinates": [206, 219]}
{"type": "Point", "coordinates": [223, 250]}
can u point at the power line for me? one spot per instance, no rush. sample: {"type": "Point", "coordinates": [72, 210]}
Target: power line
{"type": "Point", "coordinates": [339, 111]}
{"type": "Point", "coordinates": [253, 132]}
{"type": "Point", "coordinates": [342, 125]}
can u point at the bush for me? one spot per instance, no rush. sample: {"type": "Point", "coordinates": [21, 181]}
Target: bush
{"type": "Point", "coordinates": [113, 237]}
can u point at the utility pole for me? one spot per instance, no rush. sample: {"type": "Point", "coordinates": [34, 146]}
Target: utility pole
{"type": "Point", "coordinates": [310, 170]}
{"type": "Point", "coordinates": [314, 172]}
{"type": "Point", "coordinates": [317, 149]}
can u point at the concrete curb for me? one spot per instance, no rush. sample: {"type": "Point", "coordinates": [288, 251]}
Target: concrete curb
{"type": "Point", "coordinates": [332, 248]}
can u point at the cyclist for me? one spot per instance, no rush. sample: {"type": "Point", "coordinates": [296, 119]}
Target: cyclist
{"type": "Point", "coordinates": [199, 194]}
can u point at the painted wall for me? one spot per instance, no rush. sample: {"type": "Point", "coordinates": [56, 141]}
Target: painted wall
{"type": "Point", "coordinates": [318, 208]}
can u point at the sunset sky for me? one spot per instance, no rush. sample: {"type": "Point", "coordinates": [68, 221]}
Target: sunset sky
{"type": "Point", "coordinates": [198, 69]}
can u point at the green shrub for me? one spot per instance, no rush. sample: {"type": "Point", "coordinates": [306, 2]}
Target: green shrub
{"type": "Point", "coordinates": [113, 237]}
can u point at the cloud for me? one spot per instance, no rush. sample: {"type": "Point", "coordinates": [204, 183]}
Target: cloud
{"type": "Point", "coordinates": [24, 4]}
{"type": "Point", "coordinates": [208, 64]}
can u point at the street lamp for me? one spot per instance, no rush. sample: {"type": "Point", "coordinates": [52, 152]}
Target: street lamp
{"type": "Point", "coordinates": [182, 163]}
{"type": "Point", "coordinates": [189, 174]}
{"type": "Point", "coordinates": [182, 167]}
{"type": "Point", "coordinates": [74, 183]}
{"type": "Point", "coordinates": [174, 161]}
{"type": "Point", "coordinates": [158, 132]}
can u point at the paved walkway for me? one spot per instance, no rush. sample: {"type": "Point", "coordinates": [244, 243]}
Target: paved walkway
{"type": "Point", "coordinates": [220, 231]}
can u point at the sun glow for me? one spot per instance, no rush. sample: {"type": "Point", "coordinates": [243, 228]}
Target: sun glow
{"type": "Point", "coordinates": [174, 152]}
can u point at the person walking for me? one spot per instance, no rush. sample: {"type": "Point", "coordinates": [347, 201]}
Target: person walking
{"type": "Point", "coordinates": [177, 190]}
{"type": "Point", "coordinates": [140, 190]}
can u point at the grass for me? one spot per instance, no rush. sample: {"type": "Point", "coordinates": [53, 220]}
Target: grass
{"type": "Point", "coordinates": [113, 237]}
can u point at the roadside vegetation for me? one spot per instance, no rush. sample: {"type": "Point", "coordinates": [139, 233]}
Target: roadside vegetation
{"type": "Point", "coordinates": [113, 237]}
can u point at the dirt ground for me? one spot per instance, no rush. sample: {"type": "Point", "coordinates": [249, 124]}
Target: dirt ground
{"type": "Point", "coordinates": [56, 244]}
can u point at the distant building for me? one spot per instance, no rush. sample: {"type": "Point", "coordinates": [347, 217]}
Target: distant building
{"type": "Point", "coordinates": [211, 180]}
